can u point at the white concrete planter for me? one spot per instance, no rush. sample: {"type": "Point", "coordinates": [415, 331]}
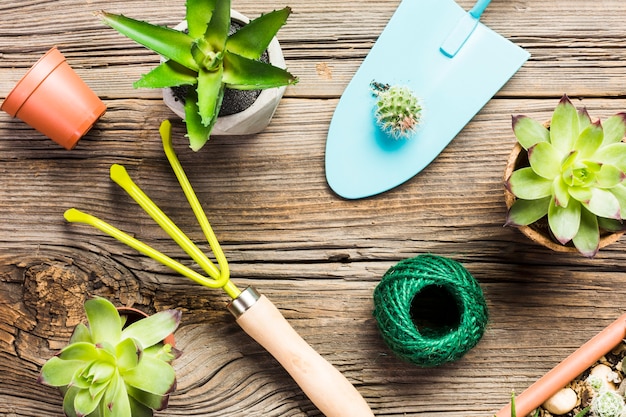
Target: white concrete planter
{"type": "Point", "coordinates": [256, 117]}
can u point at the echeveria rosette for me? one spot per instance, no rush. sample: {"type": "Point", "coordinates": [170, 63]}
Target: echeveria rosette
{"type": "Point", "coordinates": [576, 176]}
{"type": "Point", "coordinates": [111, 371]}
{"type": "Point", "coordinates": [208, 58]}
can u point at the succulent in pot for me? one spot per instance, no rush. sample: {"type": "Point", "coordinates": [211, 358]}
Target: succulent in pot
{"type": "Point", "coordinates": [208, 58]}
{"type": "Point", "coordinates": [573, 177]}
{"type": "Point", "coordinates": [110, 369]}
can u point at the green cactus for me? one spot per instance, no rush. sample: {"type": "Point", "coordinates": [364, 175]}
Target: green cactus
{"type": "Point", "coordinates": [109, 370]}
{"type": "Point", "coordinates": [608, 403]}
{"type": "Point", "coordinates": [398, 111]}
{"type": "Point", "coordinates": [575, 178]}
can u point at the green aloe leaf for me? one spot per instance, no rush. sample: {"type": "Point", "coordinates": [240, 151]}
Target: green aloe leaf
{"type": "Point", "coordinates": [81, 333]}
{"type": "Point", "coordinates": [619, 192]}
{"type": "Point", "coordinates": [584, 120]}
{"type": "Point", "coordinates": [545, 160]}
{"type": "Point", "coordinates": [246, 74]}
{"type": "Point", "coordinates": [85, 403]}
{"type": "Point", "coordinates": [168, 42]}
{"type": "Point", "coordinates": [153, 401]}
{"type": "Point", "coordinates": [609, 176]}
{"type": "Point", "coordinates": [115, 399]}
{"type": "Point", "coordinates": [525, 212]}
{"type": "Point", "coordinates": [603, 203]}
{"type": "Point", "coordinates": [128, 354]}
{"type": "Point", "coordinates": [153, 329]}
{"type": "Point", "coordinates": [68, 401]}
{"type": "Point", "coordinates": [529, 132]}
{"type": "Point", "coordinates": [198, 15]}
{"type": "Point", "coordinates": [587, 240]}
{"type": "Point", "coordinates": [217, 30]}
{"type": "Point", "coordinates": [614, 128]}
{"type": "Point", "coordinates": [253, 39]}
{"type": "Point", "coordinates": [138, 409]}
{"type": "Point", "coordinates": [104, 321]}
{"type": "Point", "coordinates": [526, 184]}
{"type": "Point", "coordinates": [564, 221]}
{"type": "Point", "coordinates": [561, 192]}
{"type": "Point", "coordinates": [100, 371]}
{"type": "Point", "coordinates": [611, 225]}
{"type": "Point", "coordinates": [564, 125]}
{"type": "Point", "coordinates": [210, 93]}
{"type": "Point", "coordinates": [197, 132]}
{"type": "Point", "coordinates": [57, 372]}
{"type": "Point", "coordinates": [613, 154]}
{"type": "Point", "coordinates": [152, 375]}
{"type": "Point", "coordinates": [589, 140]}
{"type": "Point", "coordinates": [168, 74]}
{"type": "Point", "coordinates": [82, 351]}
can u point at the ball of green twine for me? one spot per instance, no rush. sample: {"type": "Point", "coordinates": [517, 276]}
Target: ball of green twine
{"type": "Point", "coordinates": [430, 310]}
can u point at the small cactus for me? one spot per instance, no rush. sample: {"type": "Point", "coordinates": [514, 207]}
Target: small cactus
{"type": "Point", "coordinates": [398, 111]}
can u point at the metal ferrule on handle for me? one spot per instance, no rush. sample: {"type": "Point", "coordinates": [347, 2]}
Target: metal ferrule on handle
{"type": "Point", "coordinates": [325, 386]}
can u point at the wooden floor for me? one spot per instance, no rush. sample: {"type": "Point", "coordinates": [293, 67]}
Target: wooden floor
{"type": "Point", "coordinates": [316, 255]}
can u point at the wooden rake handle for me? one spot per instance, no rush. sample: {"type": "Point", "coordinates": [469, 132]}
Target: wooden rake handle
{"type": "Point", "coordinates": [325, 386]}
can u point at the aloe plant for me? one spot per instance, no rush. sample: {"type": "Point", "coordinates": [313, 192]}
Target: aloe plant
{"type": "Point", "coordinates": [207, 58]}
{"type": "Point", "coordinates": [109, 370]}
{"type": "Point", "coordinates": [575, 178]}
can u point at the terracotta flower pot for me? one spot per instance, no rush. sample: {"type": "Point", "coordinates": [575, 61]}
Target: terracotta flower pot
{"type": "Point", "coordinates": [134, 315]}
{"type": "Point", "coordinates": [568, 369]}
{"type": "Point", "coordinates": [54, 100]}
{"type": "Point", "coordinates": [256, 117]}
{"type": "Point", "coordinates": [539, 232]}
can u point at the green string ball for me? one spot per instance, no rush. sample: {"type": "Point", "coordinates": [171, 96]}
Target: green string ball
{"type": "Point", "coordinates": [430, 310]}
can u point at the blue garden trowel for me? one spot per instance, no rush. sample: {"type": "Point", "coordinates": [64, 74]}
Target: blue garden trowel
{"type": "Point", "coordinates": [454, 63]}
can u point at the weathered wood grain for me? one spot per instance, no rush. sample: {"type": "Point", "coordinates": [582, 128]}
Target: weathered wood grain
{"type": "Point", "coordinates": [317, 256]}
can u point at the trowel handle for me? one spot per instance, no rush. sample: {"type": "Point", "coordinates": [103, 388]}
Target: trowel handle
{"type": "Point", "coordinates": [479, 8]}
{"type": "Point", "coordinates": [325, 386]}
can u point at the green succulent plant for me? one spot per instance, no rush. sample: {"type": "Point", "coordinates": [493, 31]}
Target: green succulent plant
{"type": "Point", "coordinates": [108, 370]}
{"type": "Point", "coordinates": [207, 58]}
{"type": "Point", "coordinates": [398, 111]}
{"type": "Point", "coordinates": [575, 178]}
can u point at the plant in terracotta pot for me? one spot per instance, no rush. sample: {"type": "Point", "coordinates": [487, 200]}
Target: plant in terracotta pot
{"type": "Point", "coordinates": [590, 381]}
{"type": "Point", "coordinates": [209, 59]}
{"type": "Point", "coordinates": [567, 179]}
{"type": "Point", "coordinates": [110, 369]}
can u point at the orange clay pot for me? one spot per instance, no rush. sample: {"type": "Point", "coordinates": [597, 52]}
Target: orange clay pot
{"type": "Point", "coordinates": [566, 371]}
{"type": "Point", "coordinates": [54, 100]}
{"type": "Point", "coordinates": [134, 315]}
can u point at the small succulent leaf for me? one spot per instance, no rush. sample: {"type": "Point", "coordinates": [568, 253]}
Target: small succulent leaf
{"type": "Point", "coordinates": [583, 119]}
{"type": "Point", "coordinates": [116, 397]}
{"type": "Point", "coordinates": [167, 74]}
{"type": "Point", "coordinates": [138, 409]}
{"type": "Point", "coordinates": [68, 401]}
{"type": "Point", "coordinates": [582, 194]}
{"type": "Point", "coordinates": [166, 352]}
{"type": "Point", "coordinates": [587, 240]}
{"type": "Point", "coordinates": [609, 176]}
{"type": "Point", "coordinates": [153, 329]}
{"type": "Point", "coordinates": [81, 333]}
{"type": "Point", "coordinates": [619, 192]}
{"type": "Point", "coordinates": [97, 389]}
{"type": "Point", "coordinates": [581, 174]}
{"type": "Point", "coordinates": [218, 27]}
{"type": "Point", "coordinates": [253, 39]}
{"type": "Point", "coordinates": [104, 321]}
{"type": "Point", "coordinates": [198, 15]}
{"type": "Point", "coordinates": [167, 42]}
{"type": "Point", "coordinates": [604, 204]}
{"type": "Point", "coordinates": [210, 94]}
{"type": "Point", "coordinates": [153, 401]}
{"type": "Point", "coordinates": [614, 128]}
{"type": "Point", "coordinates": [613, 154]}
{"type": "Point", "coordinates": [560, 190]}
{"type": "Point", "coordinates": [82, 351]}
{"type": "Point", "coordinates": [526, 184]}
{"type": "Point", "coordinates": [85, 403]}
{"type": "Point", "coordinates": [564, 221]}
{"type": "Point", "coordinates": [246, 74]}
{"type": "Point", "coordinates": [564, 125]}
{"type": "Point", "coordinates": [197, 133]}
{"type": "Point", "coordinates": [589, 140]}
{"type": "Point", "coordinates": [611, 225]}
{"type": "Point", "coordinates": [525, 212]}
{"type": "Point", "coordinates": [152, 375]}
{"type": "Point", "coordinates": [529, 132]}
{"type": "Point", "coordinates": [57, 372]}
{"type": "Point", "coordinates": [128, 354]}
{"type": "Point", "coordinates": [545, 160]}
{"type": "Point", "coordinates": [100, 371]}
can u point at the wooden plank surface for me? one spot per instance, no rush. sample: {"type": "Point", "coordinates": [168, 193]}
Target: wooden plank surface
{"type": "Point", "coordinates": [317, 256]}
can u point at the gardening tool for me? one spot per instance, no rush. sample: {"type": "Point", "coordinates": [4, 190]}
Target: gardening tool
{"type": "Point", "coordinates": [327, 388]}
{"type": "Point", "coordinates": [450, 60]}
